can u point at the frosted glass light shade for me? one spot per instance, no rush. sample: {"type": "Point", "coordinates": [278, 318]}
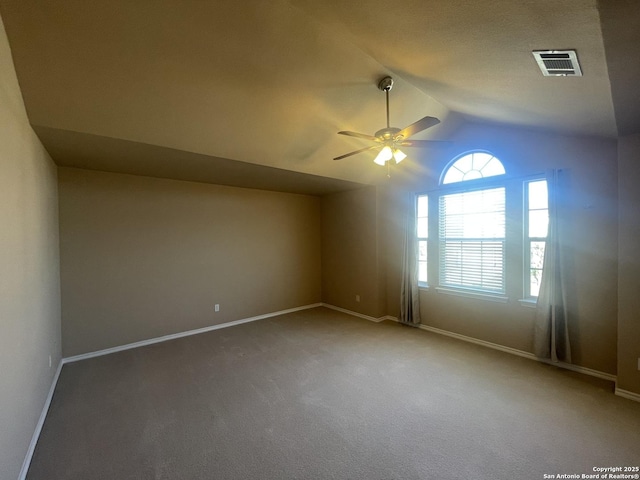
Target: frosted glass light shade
{"type": "Point", "coordinates": [384, 156]}
{"type": "Point", "coordinates": [399, 155]}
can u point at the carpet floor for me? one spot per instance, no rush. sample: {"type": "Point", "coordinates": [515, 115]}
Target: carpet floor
{"type": "Point", "coordinates": [319, 394]}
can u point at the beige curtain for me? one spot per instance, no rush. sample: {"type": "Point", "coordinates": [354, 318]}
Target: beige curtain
{"type": "Point", "coordinates": [409, 293]}
{"type": "Point", "coordinates": [551, 338]}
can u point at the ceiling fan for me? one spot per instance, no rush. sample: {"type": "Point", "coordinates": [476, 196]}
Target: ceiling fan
{"type": "Point", "coordinates": [389, 139]}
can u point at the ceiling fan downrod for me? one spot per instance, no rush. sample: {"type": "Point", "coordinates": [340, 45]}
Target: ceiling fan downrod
{"type": "Point", "coordinates": [386, 84]}
{"type": "Point", "coordinates": [389, 139]}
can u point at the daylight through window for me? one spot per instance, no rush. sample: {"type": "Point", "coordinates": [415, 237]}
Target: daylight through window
{"type": "Point", "coordinates": [536, 227]}
{"type": "Point", "coordinates": [472, 238]}
{"type": "Point", "coordinates": [472, 233]}
{"type": "Point", "coordinates": [423, 237]}
{"type": "Point", "coordinates": [473, 166]}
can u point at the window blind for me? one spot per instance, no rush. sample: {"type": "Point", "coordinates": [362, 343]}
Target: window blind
{"type": "Point", "coordinates": [472, 240]}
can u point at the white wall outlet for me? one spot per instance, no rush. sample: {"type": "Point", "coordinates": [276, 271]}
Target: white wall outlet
{"type": "Point", "coordinates": [357, 298]}
{"type": "Point", "coordinates": [217, 307]}
{"type": "Point", "coordinates": [50, 361]}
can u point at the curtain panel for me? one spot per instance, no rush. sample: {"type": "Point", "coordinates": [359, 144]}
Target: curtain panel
{"type": "Point", "coordinates": [551, 338]}
{"type": "Point", "coordinates": [409, 292]}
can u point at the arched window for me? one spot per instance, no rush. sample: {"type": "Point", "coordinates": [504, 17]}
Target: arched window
{"type": "Point", "coordinates": [471, 166]}
{"type": "Point", "coordinates": [471, 227]}
{"type": "Point", "coordinates": [462, 230]}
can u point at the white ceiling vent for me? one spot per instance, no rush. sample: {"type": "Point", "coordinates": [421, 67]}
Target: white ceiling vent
{"type": "Point", "coordinates": [558, 63]}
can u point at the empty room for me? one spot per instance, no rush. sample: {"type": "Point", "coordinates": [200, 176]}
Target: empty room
{"type": "Point", "coordinates": [319, 240]}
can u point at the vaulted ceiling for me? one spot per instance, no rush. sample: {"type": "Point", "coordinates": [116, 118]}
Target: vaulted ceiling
{"type": "Point", "coordinates": [252, 93]}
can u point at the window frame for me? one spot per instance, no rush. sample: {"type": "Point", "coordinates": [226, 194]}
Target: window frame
{"type": "Point", "coordinates": [423, 284]}
{"type": "Point", "coordinates": [527, 239]}
{"type": "Point", "coordinates": [451, 164]}
{"type": "Point", "coordinates": [476, 185]}
{"type": "Point", "coordinates": [516, 242]}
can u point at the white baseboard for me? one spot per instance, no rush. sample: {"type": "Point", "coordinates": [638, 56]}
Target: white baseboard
{"type": "Point", "coordinates": [627, 394]}
{"type": "Point", "coordinates": [579, 369]}
{"type": "Point", "coordinates": [502, 348]}
{"type": "Point", "coordinates": [495, 346]}
{"type": "Point", "coordinates": [36, 434]}
{"type": "Point", "coordinates": [522, 353]}
{"type": "Point", "coordinates": [187, 333]}
{"type": "Point", "coordinates": [519, 353]}
{"type": "Point", "coordinates": [43, 415]}
{"type": "Point", "coordinates": [476, 341]}
{"type": "Point", "coordinates": [355, 314]}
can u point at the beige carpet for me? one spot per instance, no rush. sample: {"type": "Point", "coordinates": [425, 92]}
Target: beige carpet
{"type": "Point", "coordinates": [323, 395]}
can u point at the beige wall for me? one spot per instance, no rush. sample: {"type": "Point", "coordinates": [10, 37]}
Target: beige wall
{"type": "Point", "coordinates": [29, 273]}
{"type": "Point", "coordinates": [143, 257]}
{"type": "Point", "coordinates": [629, 268]}
{"type": "Point", "coordinates": [591, 165]}
{"type": "Point", "coordinates": [352, 255]}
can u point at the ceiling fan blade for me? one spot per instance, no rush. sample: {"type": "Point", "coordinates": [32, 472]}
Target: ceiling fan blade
{"type": "Point", "coordinates": [360, 135]}
{"type": "Point", "coordinates": [356, 152]}
{"type": "Point", "coordinates": [418, 126]}
{"type": "Point", "coordinates": [424, 143]}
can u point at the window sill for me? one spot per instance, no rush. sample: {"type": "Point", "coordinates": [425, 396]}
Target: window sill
{"type": "Point", "coordinates": [528, 302]}
{"type": "Point", "coordinates": [471, 294]}
{"type": "Point", "coordinates": [424, 286]}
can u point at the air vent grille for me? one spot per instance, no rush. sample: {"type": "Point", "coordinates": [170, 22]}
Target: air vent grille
{"type": "Point", "coordinates": [558, 63]}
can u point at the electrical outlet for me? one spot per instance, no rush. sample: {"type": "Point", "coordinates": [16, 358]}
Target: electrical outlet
{"type": "Point", "coordinates": [217, 307]}
{"type": "Point", "coordinates": [49, 361]}
{"type": "Point", "coordinates": [357, 298]}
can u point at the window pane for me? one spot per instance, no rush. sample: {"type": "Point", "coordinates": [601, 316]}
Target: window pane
{"type": "Point", "coordinates": [536, 254]}
{"type": "Point", "coordinates": [422, 250]}
{"type": "Point", "coordinates": [493, 167]}
{"type": "Point", "coordinates": [472, 237]}
{"type": "Point", "coordinates": [476, 214]}
{"type": "Point", "coordinates": [538, 195]}
{"type": "Point", "coordinates": [473, 166]}
{"type": "Point", "coordinates": [472, 175]}
{"type": "Point", "coordinates": [473, 264]}
{"type": "Point", "coordinates": [422, 230]}
{"type": "Point", "coordinates": [423, 227]}
{"type": "Point", "coordinates": [423, 206]}
{"type": "Point", "coordinates": [538, 223]}
{"type": "Point", "coordinates": [480, 159]}
{"type": "Point", "coordinates": [535, 278]}
{"type": "Point", "coordinates": [422, 272]}
{"type": "Point", "coordinates": [538, 227]}
{"type": "Point", "coordinates": [465, 163]}
{"type": "Point", "coordinates": [453, 175]}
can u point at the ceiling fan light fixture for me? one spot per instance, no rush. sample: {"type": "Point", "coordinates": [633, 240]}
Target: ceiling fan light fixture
{"type": "Point", "coordinates": [384, 156]}
{"type": "Point", "coordinates": [389, 138]}
{"type": "Point", "coordinates": [399, 155]}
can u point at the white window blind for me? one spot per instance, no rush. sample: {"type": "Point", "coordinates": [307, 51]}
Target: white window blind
{"type": "Point", "coordinates": [472, 240]}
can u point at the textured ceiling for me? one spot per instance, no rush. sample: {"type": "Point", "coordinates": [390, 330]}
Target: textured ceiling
{"type": "Point", "coordinates": [270, 83]}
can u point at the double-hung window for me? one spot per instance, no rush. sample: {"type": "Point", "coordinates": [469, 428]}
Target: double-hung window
{"type": "Point", "coordinates": [472, 226]}
{"type": "Point", "coordinates": [422, 224]}
{"type": "Point", "coordinates": [475, 223]}
{"type": "Point", "coordinates": [472, 240]}
{"type": "Point", "coordinates": [535, 226]}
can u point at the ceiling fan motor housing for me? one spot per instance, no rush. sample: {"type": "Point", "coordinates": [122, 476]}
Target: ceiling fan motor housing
{"type": "Point", "coordinates": [387, 133]}
{"type": "Point", "coordinates": [386, 84]}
